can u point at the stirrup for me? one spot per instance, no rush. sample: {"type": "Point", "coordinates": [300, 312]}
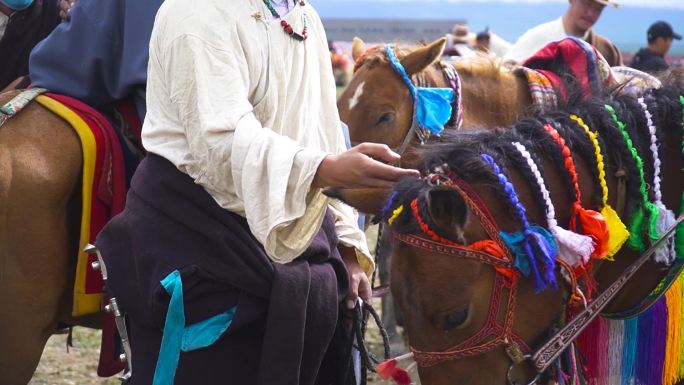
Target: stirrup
{"type": "Point", "coordinates": [119, 316]}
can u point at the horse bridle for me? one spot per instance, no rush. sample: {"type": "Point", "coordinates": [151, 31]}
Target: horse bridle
{"type": "Point", "coordinates": [492, 334]}
{"type": "Point", "coordinates": [415, 131]}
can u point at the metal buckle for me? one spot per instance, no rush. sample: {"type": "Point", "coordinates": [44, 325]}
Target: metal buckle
{"type": "Point", "coordinates": [119, 316]}
{"type": "Point", "coordinates": [510, 374]}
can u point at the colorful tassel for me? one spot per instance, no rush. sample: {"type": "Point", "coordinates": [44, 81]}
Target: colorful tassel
{"type": "Point", "coordinates": [533, 244]}
{"type": "Point", "coordinates": [591, 223]}
{"type": "Point", "coordinates": [673, 298]}
{"type": "Point", "coordinates": [390, 369]}
{"type": "Point", "coordinates": [615, 351]}
{"type": "Point", "coordinates": [629, 355]}
{"type": "Point", "coordinates": [617, 230]}
{"type": "Point", "coordinates": [646, 216]}
{"type": "Point", "coordinates": [573, 248]}
{"type": "Point", "coordinates": [666, 218]}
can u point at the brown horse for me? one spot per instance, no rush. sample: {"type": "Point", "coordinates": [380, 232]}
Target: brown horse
{"type": "Point", "coordinates": [446, 299]}
{"type": "Point", "coordinates": [378, 107]}
{"type": "Point", "coordinates": [40, 171]}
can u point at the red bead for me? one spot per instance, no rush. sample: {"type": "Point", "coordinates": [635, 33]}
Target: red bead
{"type": "Point", "coordinates": [289, 30]}
{"type": "Point", "coordinates": [283, 23]}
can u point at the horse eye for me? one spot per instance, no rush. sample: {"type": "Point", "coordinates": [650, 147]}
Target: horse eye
{"type": "Point", "coordinates": [455, 319]}
{"type": "Point", "coordinates": [386, 118]}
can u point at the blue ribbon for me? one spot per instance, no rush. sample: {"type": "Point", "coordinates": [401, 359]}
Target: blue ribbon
{"type": "Point", "coordinates": [179, 338]}
{"type": "Point", "coordinates": [432, 105]}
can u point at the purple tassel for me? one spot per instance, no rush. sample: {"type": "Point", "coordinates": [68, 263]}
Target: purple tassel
{"type": "Point", "coordinates": [658, 342]}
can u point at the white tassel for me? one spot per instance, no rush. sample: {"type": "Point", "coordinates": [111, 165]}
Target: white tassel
{"type": "Point", "coordinates": [666, 219]}
{"type": "Point", "coordinates": [573, 248]}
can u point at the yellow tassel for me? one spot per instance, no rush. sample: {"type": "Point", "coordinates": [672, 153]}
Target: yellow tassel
{"type": "Point", "coordinates": [395, 214]}
{"type": "Point", "coordinates": [617, 230]}
{"type": "Point", "coordinates": [673, 350]}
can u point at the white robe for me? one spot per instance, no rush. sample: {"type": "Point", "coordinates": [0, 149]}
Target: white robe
{"type": "Point", "coordinates": [249, 113]}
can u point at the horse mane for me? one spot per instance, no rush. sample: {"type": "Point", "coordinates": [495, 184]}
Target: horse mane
{"type": "Point", "coordinates": [459, 151]}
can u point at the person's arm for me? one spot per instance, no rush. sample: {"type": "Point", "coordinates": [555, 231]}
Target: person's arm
{"type": "Point", "coordinates": [235, 157]}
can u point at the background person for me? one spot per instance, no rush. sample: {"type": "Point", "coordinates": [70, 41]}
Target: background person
{"type": "Point", "coordinates": [652, 58]}
{"type": "Point", "coordinates": [577, 21]}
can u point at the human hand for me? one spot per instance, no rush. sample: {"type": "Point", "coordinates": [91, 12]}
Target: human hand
{"type": "Point", "coordinates": [359, 285]}
{"type": "Point", "coordinates": [358, 168]}
{"type": "Point", "coordinates": [65, 7]}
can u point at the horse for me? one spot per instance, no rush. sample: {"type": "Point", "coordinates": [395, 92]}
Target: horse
{"type": "Point", "coordinates": [377, 107]}
{"type": "Point", "coordinates": [446, 299]}
{"type": "Point", "coordinates": [40, 173]}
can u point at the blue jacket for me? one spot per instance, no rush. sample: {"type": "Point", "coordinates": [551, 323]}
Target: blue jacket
{"type": "Point", "coordinates": [100, 54]}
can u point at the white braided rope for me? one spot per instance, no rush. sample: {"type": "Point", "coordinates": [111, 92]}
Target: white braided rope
{"type": "Point", "coordinates": [666, 218]}
{"type": "Point", "coordinates": [550, 209]}
{"type": "Point", "coordinates": [654, 150]}
{"type": "Point", "coordinates": [573, 248]}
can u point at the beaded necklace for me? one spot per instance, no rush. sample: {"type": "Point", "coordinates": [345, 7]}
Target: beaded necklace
{"type": "Point", "coordinates": [286, 26]}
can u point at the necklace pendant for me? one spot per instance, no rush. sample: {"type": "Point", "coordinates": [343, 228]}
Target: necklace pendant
{"type": "Point", "coordinates": [257, 16]}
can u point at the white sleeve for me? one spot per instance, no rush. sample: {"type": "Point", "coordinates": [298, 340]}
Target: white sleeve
{"type": "Point", "coordinates": [239, 162]}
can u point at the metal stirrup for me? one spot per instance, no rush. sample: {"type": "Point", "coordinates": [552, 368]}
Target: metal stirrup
{"type": "Point", "coordinates": [119, 317]}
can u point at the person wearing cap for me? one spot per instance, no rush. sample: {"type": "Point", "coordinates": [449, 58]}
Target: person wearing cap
{"type": "Point", "coordinates": [652, 58]}
{"type": "Point", "coordinates": [23, 23]}
{"type": "Point", "coordinates": [577, 21]}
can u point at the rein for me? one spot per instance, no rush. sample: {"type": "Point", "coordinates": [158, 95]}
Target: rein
{"type": "Point", "coordinates": [544, 356]}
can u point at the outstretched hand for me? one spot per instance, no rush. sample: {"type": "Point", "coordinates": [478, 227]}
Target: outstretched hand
{"type": "Point", "coordinates": [361, 167]}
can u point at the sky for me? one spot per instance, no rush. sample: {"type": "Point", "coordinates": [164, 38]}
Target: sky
{"type": "Point", "coordinates": [671, 4]}
{"type": "Point", "coordinates": [625, 26]}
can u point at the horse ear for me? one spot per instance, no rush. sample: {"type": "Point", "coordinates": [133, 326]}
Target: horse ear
{"type": "Point", "coordinates": [365, 200]}
{"type": "Point", "coordinates": [358, 48]}
{"type": "Point", "coordinates": [421, 58]}
{"type": "Point", "coordinates": [447, 209]}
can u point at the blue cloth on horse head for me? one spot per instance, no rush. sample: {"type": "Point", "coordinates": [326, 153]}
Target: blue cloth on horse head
{"type": "Point", "coordinates": [432, 106]}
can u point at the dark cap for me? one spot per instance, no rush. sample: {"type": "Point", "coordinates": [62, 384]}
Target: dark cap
{"type": "Point", "coordinates": [662, 29]}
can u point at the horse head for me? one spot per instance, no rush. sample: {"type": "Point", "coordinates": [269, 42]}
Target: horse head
{"type": "Point", "coordinates": [378, 107]}
{"type": "Point", "coordinates": [452, 293]}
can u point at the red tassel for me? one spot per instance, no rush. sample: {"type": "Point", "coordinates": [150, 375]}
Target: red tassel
{"type": "Point", "coordinates": [386, 369]}
{"type": "Point", "coordinates": [401, 377]}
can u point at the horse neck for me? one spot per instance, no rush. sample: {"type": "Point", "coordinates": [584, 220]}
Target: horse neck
{"type": "Point", "coordinates": [492, 97]}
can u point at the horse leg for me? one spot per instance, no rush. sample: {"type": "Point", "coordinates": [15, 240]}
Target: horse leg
{"type": "Point", "coordinates": [38, 172]}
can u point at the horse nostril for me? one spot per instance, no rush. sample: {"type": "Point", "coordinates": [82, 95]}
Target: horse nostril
{"type": "Point", "coordinates": [455, 319]}
{"type": "Point", "coordinates": [386, 118]}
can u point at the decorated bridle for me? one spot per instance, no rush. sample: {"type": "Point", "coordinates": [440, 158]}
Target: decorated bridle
{"type": "Point", "coordinates": [433, 107]}
{"type": "Point", "coordinates": [496, 252]}
{"type": "Point", "coordinates": [493, 252]}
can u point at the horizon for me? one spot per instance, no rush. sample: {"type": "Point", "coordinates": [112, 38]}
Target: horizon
{"type": "Point", "coordinates": [625, 26]}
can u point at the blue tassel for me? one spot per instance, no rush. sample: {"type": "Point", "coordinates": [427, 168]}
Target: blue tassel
{"type": "Point", "coordinates": [629, 350]}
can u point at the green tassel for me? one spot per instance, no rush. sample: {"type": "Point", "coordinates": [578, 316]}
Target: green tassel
{"type": "Point", "coordinates": [636, 239]}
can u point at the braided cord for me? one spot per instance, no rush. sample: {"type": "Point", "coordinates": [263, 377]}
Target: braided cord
{"type": "Point", "coordinates": [593, 137]}
{"type": "Point", "coordinates": [654, 149]}
{"type": "Point", "coordinates": [550, 209]}
{"type": "Point", "coordinates": [636, 238]}
{"type": "Point", "coordinates": [509, 189]}
{"type": "Point", "coordinates": [569, 162]}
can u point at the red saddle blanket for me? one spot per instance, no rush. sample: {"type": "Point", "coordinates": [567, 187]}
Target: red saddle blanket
{"type": "Point", "coordinates": [103, 193]}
